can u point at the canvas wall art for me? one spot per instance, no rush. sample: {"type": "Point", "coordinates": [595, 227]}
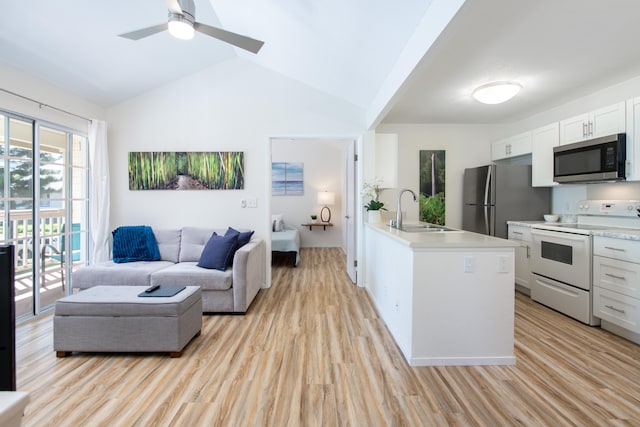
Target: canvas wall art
{"type": "Point", "coordinates": [286, 179]}
{"type": "Point", "coordinates": [432, 186]}
{"type": "Point", "coordinates": [215, 170]}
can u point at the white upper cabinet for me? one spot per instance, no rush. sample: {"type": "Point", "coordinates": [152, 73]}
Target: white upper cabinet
{"type": "Point", "coordinates": [517, 145]}
{"type": "Point", "coordinates": [633, 139]}
{"type": "Point", "coordinates": [601, 122]}
{"type": "Point", "coordinates": [542, 142]}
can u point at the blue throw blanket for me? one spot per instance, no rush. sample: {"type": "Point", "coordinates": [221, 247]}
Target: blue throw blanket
{"type": "Point", "coordinates": [134, 243]}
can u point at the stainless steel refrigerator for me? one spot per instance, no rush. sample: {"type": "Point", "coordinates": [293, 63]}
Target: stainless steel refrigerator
{"type": "Point", "coordinates": [495, 194]}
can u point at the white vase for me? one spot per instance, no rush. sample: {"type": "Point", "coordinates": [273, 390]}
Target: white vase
{"type": "Point", "coordinates": [374, 217]}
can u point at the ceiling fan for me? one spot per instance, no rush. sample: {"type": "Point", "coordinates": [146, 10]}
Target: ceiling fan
{"type": "Point", "coordinates": [182, 24]}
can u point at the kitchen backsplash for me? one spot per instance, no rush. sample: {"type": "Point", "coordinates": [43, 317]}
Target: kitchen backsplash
{"type": "Point", "coordinates": [565, 197]}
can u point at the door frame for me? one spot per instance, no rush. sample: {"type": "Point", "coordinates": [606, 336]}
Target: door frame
{"type": "Point", "coordinates": [358, 141]}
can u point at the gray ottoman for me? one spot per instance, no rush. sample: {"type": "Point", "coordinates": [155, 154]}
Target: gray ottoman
{"type": "Point", "coordinates": [116, 319]}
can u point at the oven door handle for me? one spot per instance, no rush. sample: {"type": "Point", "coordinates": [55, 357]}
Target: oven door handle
{"type": "Point", "coordinates": [559, 235]}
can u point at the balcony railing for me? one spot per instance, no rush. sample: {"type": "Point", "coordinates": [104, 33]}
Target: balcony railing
{"type": "Point", "coordinates": [18, 231]}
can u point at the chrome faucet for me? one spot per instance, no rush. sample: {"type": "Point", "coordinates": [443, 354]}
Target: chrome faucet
{"type": "Point", "coordinates": [399, 211]}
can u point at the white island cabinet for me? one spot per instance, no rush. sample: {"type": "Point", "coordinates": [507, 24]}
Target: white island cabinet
{"type": "Point", "coordinates": [446, 297]}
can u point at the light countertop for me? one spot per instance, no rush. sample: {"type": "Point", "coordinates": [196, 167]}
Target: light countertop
{"type": "Point", "coordinates": [442, 239]}
{"type": "Point", "coordinates": [619, 233]}
{"type": "Point", "coordinates": [614, 233]}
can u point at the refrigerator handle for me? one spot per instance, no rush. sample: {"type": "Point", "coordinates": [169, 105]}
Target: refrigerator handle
{"type": "Point", "coordinates": [486, 220]}
{"type": "Point", "coordinates": [487, 187]}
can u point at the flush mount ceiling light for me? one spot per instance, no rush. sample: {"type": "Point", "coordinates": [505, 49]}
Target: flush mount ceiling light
{"type": "Point", "coordinates": [496, 92]}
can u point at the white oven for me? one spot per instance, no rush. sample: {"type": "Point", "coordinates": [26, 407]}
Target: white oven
{"type": "Point", "coordinates": [562, 256]}
{"type": "Point", "coordinates": [561, 266]}
{"type": "Point", "coordinates": [561, 260]}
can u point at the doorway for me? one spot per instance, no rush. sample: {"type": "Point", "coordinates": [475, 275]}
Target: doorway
{"type": "Point", "coordinates": [328, 165]}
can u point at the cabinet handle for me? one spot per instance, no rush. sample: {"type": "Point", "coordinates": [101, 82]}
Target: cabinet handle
{"type": "Point", "coordinates": [610, 307]}
{"type": "Point", "coordinates": [590, 128]}
{"type": "Point", "coordinates": [517, 232]}
{"type": "Point", "coordinates": [614, 276]}
{"type": "Point", "coordinates": [528, 251]}
{"type": "Point", "coordinates": [615, 249]}
{"type": "Point", "coordinates": [584, 130]}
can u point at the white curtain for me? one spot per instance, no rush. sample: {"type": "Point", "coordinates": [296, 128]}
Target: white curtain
{"type": "Point", "coordinates": [99, 191]}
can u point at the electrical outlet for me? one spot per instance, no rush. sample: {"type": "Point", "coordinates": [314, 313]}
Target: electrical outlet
{"type": "Point", "coordinates": [468, 264]}
{"type": "Point", "coordinates": [503, 264]}
{"type": "Point", "coordinates": [243, 203]}
{"type": "Point", "coordinates": [252, 202]}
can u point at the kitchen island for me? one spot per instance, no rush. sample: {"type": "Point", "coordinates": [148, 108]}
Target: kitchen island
{"type": "Point", "coordinates": [447, 297]}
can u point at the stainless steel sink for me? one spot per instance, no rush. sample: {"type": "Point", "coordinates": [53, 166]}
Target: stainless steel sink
{"type": "Point", "coordinates": [424, 228]}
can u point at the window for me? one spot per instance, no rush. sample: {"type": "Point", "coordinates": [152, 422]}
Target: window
{"type": "Point", "coordinates": [44, 182]}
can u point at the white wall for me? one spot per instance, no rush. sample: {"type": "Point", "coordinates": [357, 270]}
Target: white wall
{"type": "Point", "coordinates": [465, 146]}
{"type": "Point", "coordinates": [32, 87]}
{"type": "Point", "coordinates": [323, 162]}
{"type": "Point", "coordinates": [233, 106]}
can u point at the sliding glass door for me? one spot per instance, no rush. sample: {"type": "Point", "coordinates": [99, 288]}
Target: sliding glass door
{"type": "Point", "coordinates": [44, 207]}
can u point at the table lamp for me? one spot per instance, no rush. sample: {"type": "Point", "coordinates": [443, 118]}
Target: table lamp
{"type": "Point", "coordinates": [326, 198]}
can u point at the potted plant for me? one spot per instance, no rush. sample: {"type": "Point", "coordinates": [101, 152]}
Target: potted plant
{"type": "Point", "coordinates": [314, 218]}
{"type": "Point", "coordinates": [372, 190]}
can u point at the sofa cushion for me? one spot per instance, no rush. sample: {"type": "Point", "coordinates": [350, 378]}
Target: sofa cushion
{"type": "Point", "coordinates": [218, 252]}
{"type": "Point", "coordinates": [111, 274]}
{"type": "Point", "coordinates": [189, 274]}
{"type": "Point", "coordinates": [193, 241]}
{"type": "Point", "coordinates": [168, 244]}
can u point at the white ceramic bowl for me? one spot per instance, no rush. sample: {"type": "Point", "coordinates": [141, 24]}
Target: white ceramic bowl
{"type": "Point", "coordinates": [550, 218]}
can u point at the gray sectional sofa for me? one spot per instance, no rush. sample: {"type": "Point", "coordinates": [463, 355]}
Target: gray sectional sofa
{"type": "Point", "coordinates": [231, 290]}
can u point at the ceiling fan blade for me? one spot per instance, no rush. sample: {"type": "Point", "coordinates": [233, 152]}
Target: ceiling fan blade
{"type": "Point", "coordinates": [174, 6]}
{"type": "Point", "coordinates": [243, 42]}
{"type": "Point", "coordinates": [138, 34]}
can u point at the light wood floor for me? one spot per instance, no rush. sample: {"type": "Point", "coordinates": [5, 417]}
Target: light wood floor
{"type": "Point", "coordinates": [312, 351]}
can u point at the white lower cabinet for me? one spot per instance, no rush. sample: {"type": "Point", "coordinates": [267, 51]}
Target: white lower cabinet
{"type": "Point", "coordinates": [444, 304]}
{"type": "Point", "coordinates": [522, 255]}
{"type": "Point", "coordinates": [616, 285]}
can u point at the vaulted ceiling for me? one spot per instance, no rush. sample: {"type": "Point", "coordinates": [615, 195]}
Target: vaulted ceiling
{"type": "Point", "coordinates": [558, 50]}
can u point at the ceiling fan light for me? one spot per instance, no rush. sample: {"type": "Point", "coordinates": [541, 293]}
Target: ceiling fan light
{"type": "Point", "coordinates": [496, 92]}
{"type": "Point", "coordinates": [181, 28]}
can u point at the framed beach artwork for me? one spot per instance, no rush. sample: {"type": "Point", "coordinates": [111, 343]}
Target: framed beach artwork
{"type": "Point", "coordinates": [184, 170]}
{"type": "Point", "coordinates": [286, 179]}
{"type": "Point", "coordinates": [432, 186]}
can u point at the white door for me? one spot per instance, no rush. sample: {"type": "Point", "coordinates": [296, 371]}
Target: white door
{"type": "Point", "coordinates": [350, 211]}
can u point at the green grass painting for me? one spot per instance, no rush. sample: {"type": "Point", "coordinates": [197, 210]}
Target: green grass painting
{"type": "Point", "coordinates": [432, 188]}
{"type": "Point", "coordinates": [216, 170]}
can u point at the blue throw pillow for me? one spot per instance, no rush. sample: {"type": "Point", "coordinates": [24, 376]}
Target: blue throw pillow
{"type": "Point", "coordinates": [243, 236]}
{"type": "Point", "coordinates": [218, 252]}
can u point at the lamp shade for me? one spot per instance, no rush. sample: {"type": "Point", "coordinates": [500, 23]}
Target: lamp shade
{"type": "Point", "coordinates": [326, 198]}
{"type": "Point", "coordinates": [496, 92]}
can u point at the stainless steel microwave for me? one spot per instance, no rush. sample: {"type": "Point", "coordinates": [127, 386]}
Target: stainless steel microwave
{"type": "Point", "coordinates": [598, 159]}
